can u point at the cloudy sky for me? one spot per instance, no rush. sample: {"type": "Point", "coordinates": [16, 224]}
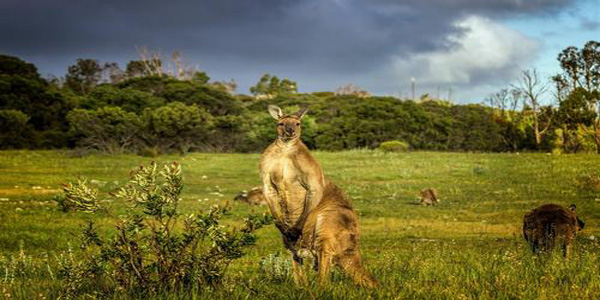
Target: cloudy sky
{"type": "Point", "coordinates": [473, 47]}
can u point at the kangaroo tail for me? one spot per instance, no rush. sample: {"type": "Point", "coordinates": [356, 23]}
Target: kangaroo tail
{"type": "Point", "coordinates": [353, 266]}
{"type": "Point", "coordinates": [549, 235]}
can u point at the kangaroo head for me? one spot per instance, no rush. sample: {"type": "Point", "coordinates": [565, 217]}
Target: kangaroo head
{"type": "Point", "coordinates": [241, 196]}
{"type": "Point", "coordinates": [288, 126]}
{"type": "Point", "coordinates": [580, 224]}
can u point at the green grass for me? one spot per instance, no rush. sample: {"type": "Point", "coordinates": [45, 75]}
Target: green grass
{"type": "Point", "coordinates": [467, 247]}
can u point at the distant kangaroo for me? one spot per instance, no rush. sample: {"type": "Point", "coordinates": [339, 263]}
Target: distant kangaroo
{"type": "Point", "coordinates": [294, 185]}
{"type": "Point", "coordinates": [253, 197]}
{"type": "Point", "coordinates": [547, 223]}
{"type": "Point", "coordinates": [429, 197]}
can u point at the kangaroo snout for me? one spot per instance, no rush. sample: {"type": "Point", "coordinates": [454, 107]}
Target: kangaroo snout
{"type": "Point", "coordinates": [289, 130]}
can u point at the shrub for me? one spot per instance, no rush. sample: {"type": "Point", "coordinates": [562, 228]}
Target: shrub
{"type": "Point", "coordinates": [394, 146]}
{"type": "Point", "coordinates": [78, 196]}
{"type": "Point", "coordinates": [152, 250]}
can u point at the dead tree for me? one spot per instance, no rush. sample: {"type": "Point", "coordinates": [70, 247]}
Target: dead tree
{"type": "Point", "coordinates": [532, 88]}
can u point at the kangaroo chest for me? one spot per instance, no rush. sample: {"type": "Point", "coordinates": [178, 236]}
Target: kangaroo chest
{"type": "Point", "coordinates": [288, 181]}
{"type": "Point", "coordinates": [284, 171]}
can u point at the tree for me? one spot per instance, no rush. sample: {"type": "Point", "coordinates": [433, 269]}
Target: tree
{"type": "Point", "coordinates": [111, 73]}
{"type": "Point", "coordinates": [225, 86]}
{"type": "Point", "coordinates": [504, 104]}
{"type": "Point", "coordinates": [270, 86]}
{"type": "Point", "coordinates": [182, 71]}
{"type": "Point", "coordinates": [531, 87]}
{"type": "Point", "coordinates": [23, 90]}
{"type": "Point", "coordinates": [108, 129]}
{"type": "Point", "coordinates": [287, 86]}
{"type": "Point", "coordinates": [13, 66]}
{"type": "Point", "coordinates": [178, 126]}
{"type": "Point", "coordinates": [576, 118]}
{"type": "Point", "coordinates": [151, 61]}
{"type": "Point", "coordinates": [505, 101]}
{"type": "Point", "coordinates": [128, 99]}
{"type": "Point", "coordinates": [352, 89]}
{"type": "Point", "coordinates": [475, 130]}
{"type": "Point", "coordinates": [581, 80]}
{"type": "Point", "coordinates": [262, 87]}
{"type": "Point", "coordinates": [151, 64]}
{"type": "Point", "coordinates": [14, 130]}
{"type": "Point", "coordinates": [83, 76]}
{"type": "Point", "coordinates": [135, 68]}
{"type": "Point", "coordinates": [200, 77]}
{"type": "Point", "coordinates": [217, 102]}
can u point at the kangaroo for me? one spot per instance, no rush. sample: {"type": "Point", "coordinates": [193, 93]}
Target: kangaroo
{"type": "Point", "coordinates": [293, 181]}
{"type": "Point", "coordinates": [429, 197]}
{"type": "Point", "coordinates": [253, 197]}
{"type": "Point", "coordinates": [547, 223]}
{"type": "Point", "coordinates": [331, 235]}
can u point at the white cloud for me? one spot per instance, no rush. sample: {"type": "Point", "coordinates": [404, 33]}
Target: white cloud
{"type": "Point", "coordinates": [485, 54]}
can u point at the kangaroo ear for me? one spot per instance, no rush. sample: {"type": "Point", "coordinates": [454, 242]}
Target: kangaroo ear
{"type": "Point", "coordinates": [572, 207]}
{"type": "Point", "coordinates": [275, 112]}
{"type": "Point", "coordinates": [301, 112]}
{"type": "Point", "coordinates": [580, 223]}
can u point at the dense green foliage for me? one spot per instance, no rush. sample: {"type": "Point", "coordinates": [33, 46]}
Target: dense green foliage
{"type": "Point", "coordinates": [469, 246]}
{"type": "Point", "coordinates": [23, 90]}
{"type": "Point", "coordinates": [100, 107]}
{"type": "Point", "coordinates": [109, 129]}
{"type": "Point", "coordinates": [578, 93]}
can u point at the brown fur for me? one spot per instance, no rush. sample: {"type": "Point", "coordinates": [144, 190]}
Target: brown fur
{"type": "Point", "coordinates": [293, 181]}
{"type": "Point", "coordinates": [293, 186]}
{"type": "Point", "coordinates": [429, 197]}
{"type": "Point", "coordinates": [543, 226]}
{"type": "Point", "coordinates": [332, 236]}
{"type": "Point", "coordinates": [253, 197]}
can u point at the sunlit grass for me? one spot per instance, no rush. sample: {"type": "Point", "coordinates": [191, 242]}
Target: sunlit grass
{"type": "Point", "coordinates": [468, 246]}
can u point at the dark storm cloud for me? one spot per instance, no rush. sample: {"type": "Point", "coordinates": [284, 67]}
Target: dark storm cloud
{"type": "Point", "coordinates": [334, 37]}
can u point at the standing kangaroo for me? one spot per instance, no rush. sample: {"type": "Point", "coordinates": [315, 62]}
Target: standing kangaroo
{"type": "Point", "coordinates": [293, 186]}
{"type": "Point", "coordinates": [293, 181]}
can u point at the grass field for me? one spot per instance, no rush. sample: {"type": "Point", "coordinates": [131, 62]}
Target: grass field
{"type": "Point", "coordinates": [467, 247]}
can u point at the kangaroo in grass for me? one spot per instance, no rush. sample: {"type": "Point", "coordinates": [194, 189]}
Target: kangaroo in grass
{"type": "Point", "coordinates": [294, 186]}
{"type": "Point", "coordinates": [429, 196]}
{"type": "Point", "coordinates": [547, 223]}
{"type": "Point", "coordinates": [253, 197]}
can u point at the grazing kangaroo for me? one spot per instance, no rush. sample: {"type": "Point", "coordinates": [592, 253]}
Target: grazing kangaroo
{"type": "Point", "coordinates": [294, 185]}
{"type": "Point", "coordinates": [429, 197]}
{"type": "Point", "coordinates": [253, 197]}
{"type": "Point", "coordinates": [547, 223]}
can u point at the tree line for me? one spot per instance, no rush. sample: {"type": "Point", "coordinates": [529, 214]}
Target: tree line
{"type": "Point", "coordinates": [155, 106]}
